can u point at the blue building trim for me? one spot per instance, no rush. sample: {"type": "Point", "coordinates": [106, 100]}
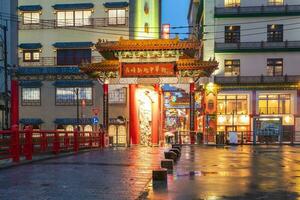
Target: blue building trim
{"type": "Point", "coordinates": [31, 121]}
{"type": "Point", "coordinates": [31, 84]}
{"type": "Point", "coordinates": [30, 8]}
{"type": "Point", "coordinates": [76, 6]}
{"type": "Point", "coordinates": [31, 46]}
{"type": "Point", "coordinates": [121, 4]}
{"type": "Point", "coordinates": [79, 83]}
{"type": "Point", "coordinates": [72, 45]}
{"type": "Point", "coordinates": [48, 70]}
{"type": "Point", "coordinates": [73, 121]}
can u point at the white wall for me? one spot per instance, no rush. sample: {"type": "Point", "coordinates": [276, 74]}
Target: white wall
{"type": "Point", "coordinates": [253, 29]}
{"type": "Point", "coordinates": [47, 37]}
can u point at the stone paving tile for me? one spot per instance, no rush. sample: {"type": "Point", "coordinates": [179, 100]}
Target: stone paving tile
{"type": "Point", "coordinates": [108, 174]}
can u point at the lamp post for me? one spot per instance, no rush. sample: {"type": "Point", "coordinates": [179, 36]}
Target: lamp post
{"type": "Point", "coordinates": [76, 91]}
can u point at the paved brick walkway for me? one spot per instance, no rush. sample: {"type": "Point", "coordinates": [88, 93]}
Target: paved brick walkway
{"type": "Point", "coordinates": [261, 172]}
{"type": "Point", "coordinates": [108, 174]}
{"type": "Point", "coordinates": [244, 172]}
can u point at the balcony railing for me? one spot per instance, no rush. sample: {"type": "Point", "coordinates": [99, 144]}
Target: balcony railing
{"type": "Point", "coordinates": [91, 23]}
{"type": "Point", "coordinates": [51, 61]}
{"type": "Point", "coordinates": [268, 10]}
{"type": "Point", "coordinates": [257, 46]}
{"type": "Point", "coordinates": [231, 80]}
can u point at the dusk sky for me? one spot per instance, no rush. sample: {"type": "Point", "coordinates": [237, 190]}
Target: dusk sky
{"type": "Point", "coordinates": [174, 12]}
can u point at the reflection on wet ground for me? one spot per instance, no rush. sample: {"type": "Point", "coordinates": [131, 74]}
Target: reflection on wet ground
{"type": "Point", "coordinates": [242, 172]}
{"type": "Point", "coordinates": [239, 172]}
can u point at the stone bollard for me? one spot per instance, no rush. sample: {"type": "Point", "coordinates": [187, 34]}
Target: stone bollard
{"type": "Point", "coordinates": [167, 164]}
{"type": "Point", "coordinates": [177, 146]}
{"type": "Point", "coordinates": [160, 175]}
{"type": "Point", "coordinates": [160, 179]}
{"type": "Point", "coordinates": [175, 150]}
{"type": "Point", "coordinates": [170, 155]}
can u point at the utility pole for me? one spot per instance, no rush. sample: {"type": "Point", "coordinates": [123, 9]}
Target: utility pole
{"type": "Point", "coordinates": [6, 102]}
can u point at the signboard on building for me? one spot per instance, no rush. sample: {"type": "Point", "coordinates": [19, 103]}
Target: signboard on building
{"type": "Point", "coordinates": [165, 31]}
{"type": "Point", "coordinates": [148, 69]}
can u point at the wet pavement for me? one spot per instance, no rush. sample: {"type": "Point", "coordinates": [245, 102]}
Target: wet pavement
{"type": "Point", "coordinates": [242, 172]}
{"type": "Point", "coordinates": [97, 175]}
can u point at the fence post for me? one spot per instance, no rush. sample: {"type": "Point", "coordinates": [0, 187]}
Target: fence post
{"type": "Point", "coordinates": [91, 139]}
{"type": "Point", "coordinates": [15, 143]}
{"type": "Point", "coordinates": [56, 143]}
{"type": "Point", "coordinates": [28, 147]}
{"type": "Point", "coordinates": [76, 140]}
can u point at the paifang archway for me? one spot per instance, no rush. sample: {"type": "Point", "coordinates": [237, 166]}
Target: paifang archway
{"type": "Point", "coordinates": [147, 64]}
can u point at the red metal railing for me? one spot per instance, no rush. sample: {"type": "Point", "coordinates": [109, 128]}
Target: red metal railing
{"type": "Point", "coordinates": [28, 142]}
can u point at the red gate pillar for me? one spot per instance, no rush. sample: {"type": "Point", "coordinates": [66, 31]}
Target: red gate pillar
{"type": "Point", "coordinates": [105, 107]}
{"type": "Point", "coordinates": [155, 116]}
{"type": "Point", "coordinates": [14, 119]}
{"type": "Point", "coordinates": [192, 112]}
{"type": "Point", "coordinates": [133, 116]}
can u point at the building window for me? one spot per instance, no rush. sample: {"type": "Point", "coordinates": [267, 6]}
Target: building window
{"type": "Point", "coordinates": [232, 3]}
{"type": "Point", "coordinates": [275, 33]}
{"type": "Point", "coordinates": [31, 55]}
{"type": "Point", "coordinates": [275, 2]}
{"type": "Point", "coordinates": [232, 34]}
{"type": "Point", "coordinates": [232, 68]}
{"type": "Point", "coordinates": [67, 96]}
{"type": "Point", "coordinates": [232, 104]}
{"type": "Point", "coordinates": [117, 17]}
{"type": "Point", "coordinates": [74, 18]}
{"type": "Point", "coordinates": [31, 96]}
{"type": "Point", "coordinates": [73, 56]}
{"type": "Point", "coordinates": [274, 104]}
{"type": "Point", "coordinates": [275, 67]}
{"type": "Point", "coordinates": [31, 18]}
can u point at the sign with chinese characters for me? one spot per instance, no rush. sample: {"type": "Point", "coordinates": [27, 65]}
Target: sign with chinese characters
{"type": "Point", "coordinates": [148, 69]}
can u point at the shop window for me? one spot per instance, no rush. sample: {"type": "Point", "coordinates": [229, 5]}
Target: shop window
{"type": "Point", "coordinates": [31, 55]}
{"type": "Point", "coordinates": [275, 2]}
{"type": "Point", "coordinates": [275, 33]}
{"type": "Point", "coordinates": [67, 96]}
{"type": "Point", "coordinates": [275, 67]}
{"type": "Point", "coordinates": [232, 104]}
{"type": "Point", "coordinates": [232, 34]}
{"type": "Point", "coordinates": [232, 3]}
{"type": "Point", "coordinates": [232, 68]}
{"type": "Point", "coordinates": [274, 104]}
{"type": "Point", "coordinates": [31, 18]}
{"type": "Point", "coordinates": [117, 17]}
{"type": "Point", "coordinates": [31, 96]}
{"type": "Point", "coordinates": [70, 128]}
{"type": "Point", "coordinates": [73, 56]}
{"type": "Point", "coordinates": [74, 18]}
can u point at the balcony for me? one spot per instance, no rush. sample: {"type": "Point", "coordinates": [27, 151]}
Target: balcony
{"type": "Point", "coordinates": [253, 80]}
{"type": "Point", "coordinates": [257, 47]}
{"type": "Point", "coordinates": [257, 11]}
{"type": "Point", "coordinates": [51, 61]}
{"type": "Point", "coordinates": [93, 23]}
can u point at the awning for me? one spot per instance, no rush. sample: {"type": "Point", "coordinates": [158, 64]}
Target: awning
{"type": "Point", "coordinates": [30, 8]}
{"type": "Point", "coordinates": [31, 121]}
{"type": "Point", "coordinates": [73, 121]}
{"type": "Point", "coordinates": [31, 84]}
{"type": "Point", "coordinates": [120, 4]}
{"type": "Point", "coordinates": [76, 6]}
{"type": "Point", "coordinates": [47, 70]}
{"type": "Point", "coordinates": [79, 83]}
{"type": "Point", "coordinates": [72, 45]}
{"type": "Point", "coordinates": [31, 46]}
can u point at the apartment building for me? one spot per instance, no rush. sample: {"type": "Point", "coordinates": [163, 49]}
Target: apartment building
{"type": "Point", "coordinates": [55, 37]}
{"type": "Point", "coordinates": [257, 46]}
